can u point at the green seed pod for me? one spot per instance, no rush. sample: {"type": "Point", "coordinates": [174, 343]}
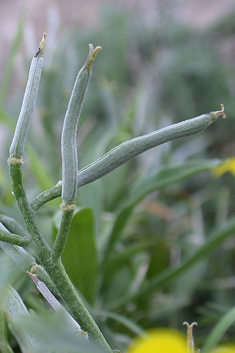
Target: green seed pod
{"type": "Point", "coordinates": [128, 150]}
{"type": "Point", "coordinates": [70, 127]}
{"type": "Point", "coordinates": [18, 143]}
{"type": "Point", "coordinates": [132, 148]}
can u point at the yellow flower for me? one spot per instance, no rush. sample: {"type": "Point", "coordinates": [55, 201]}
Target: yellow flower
{"type": "Point", "coordinates": [225, 349]}
{"type": "Point", "coordinates": [159, 341]}
{"type": "Point", "coordinates": [227, 166]}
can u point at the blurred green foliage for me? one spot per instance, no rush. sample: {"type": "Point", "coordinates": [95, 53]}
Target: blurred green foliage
{"type": "Point", "coordinates": [148, 217]}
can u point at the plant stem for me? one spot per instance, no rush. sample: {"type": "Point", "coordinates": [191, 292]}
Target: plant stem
{"type": "Point", "coordinates": [61, 239]}
{"type": "Point", "coordinates": [46, 196]}
{"type": "Point", "coordinates": [13, 226]}
{"type": "Point", "coordinates": [25, 209]}
{"type": "Point", "coordinates": [74, 303]}
{"type": "Point", "coordinates": [56, 271]}
{"type": "Point", "coordinates": [13, 238]}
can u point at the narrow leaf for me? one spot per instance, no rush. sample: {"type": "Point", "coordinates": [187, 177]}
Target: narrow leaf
{"type": "Point", "coordinates": [152, 183]}
{"type": "Point", "coordinates": [168, 275]}
{"type": "Point", "coordinates": [80, 256]}
{"type": "Point", "coordinates": [226, 321]}
{"type": "Point", "coordinates": [15, 308]}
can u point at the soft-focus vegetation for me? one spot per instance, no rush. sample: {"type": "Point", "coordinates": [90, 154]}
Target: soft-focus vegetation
{"type": "Point", "coordinates": [157, 234]}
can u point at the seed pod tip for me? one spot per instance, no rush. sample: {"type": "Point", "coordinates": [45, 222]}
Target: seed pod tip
{"type": "Point", "coordinates": [92, 55]}
{"type": "Point", "coordinates": [215, 115]}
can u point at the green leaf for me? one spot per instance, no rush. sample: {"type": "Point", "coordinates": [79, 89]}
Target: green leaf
{"type": "Point", "coordinates": [14, 307]}
{"type": "Point", "coordinates": [168, 275]}
{"type": "Point", "coordinates": [119, 260]}
{"type": "Point", "coordinates": [8, 70]}
{"type": "Point", "coordinates": [91, 196]}
{"type": "Point", "coordinates": [44, 179]}
{"type": "Point", "coordinates": [10, 272]}
{"type": "Point", "coordinates": [5, 119]}
{"type": "Point", "coordinates": [4, 346]}
{"type": "Point", "coordinates": [152, 183]}
{"type": "Point", "coordinates": [169, 176]}
{"type": "Point", "coordinates": [131, 325]}
{"type": "Point", "coordinates": [80, 256]}
{"type": "Point", "coordinates": [226, 321]}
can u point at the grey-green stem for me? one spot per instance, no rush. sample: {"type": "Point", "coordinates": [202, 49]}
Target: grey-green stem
{"type": "Point", "coordinates": [13, 238]}
{"type": "Point", "coordinates": [61, 238]}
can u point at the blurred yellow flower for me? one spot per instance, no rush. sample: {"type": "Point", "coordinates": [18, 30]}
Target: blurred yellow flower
{"type": "Point", "coordinates": [227, 166]}
{"type": "Point", "coordinates": [159, 341]}
{"type": "Point", "coordinates": [225, 349]}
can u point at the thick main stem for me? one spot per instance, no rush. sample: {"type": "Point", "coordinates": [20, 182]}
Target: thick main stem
{"type": "Point", "coordinates": [73, 302]}
{"type": "Point", "coordinates": [56, 270]}
{"type": "Point", "coordinates": [25, 208]}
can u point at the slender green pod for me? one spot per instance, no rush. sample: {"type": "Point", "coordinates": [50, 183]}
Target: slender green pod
{"type": "Point", "coordinates": [132, 148]}
{"type": "Point", "coordinates": [70, 127]}
{"type": "Point", "coordinates": [18, 143]}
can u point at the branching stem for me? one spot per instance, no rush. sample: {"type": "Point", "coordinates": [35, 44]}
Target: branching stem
{"type": "Point", "coordinates": [61, 239]}
{"type": "Point", "coordinates": [15, 239]}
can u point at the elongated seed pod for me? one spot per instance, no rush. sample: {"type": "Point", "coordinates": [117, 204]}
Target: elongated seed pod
{"type": "Point", "coordinates": [132, 148]}
{"type": "Point", "coordinates": [18, 143]}
{"type": "Point", "coordinates": [70, 127]}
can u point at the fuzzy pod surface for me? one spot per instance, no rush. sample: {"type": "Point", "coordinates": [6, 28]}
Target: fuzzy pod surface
{"type": "Point", "coordinates": [70, 127]}
{"type": "Point", "coordinates": [18, 143]}
{"type": "Point", "coordinates": [132, 148]}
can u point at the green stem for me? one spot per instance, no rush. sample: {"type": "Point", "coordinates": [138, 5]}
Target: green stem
{"type": "Point", "coordinates": [13, 238]}
{"type": "Point", "coordinates": [61, 239]}
{"type": "Point", "coordinates": [25, 209]}
{"type": "Point", "coordinates": [46, 196]}
{"type": "Point", "coordinates": [74, 303]}
{"type": "Point", "coordinates": [56, 271]}
{"type": "Point", "coordinates": [13, 226]}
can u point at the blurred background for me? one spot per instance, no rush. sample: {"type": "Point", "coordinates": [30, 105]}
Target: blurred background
{"type": "Point", "coordinates": [162, 62]}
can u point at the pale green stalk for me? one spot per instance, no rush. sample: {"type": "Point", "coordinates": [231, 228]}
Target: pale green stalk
{"type": "Point", "coordinates": [61, 238]}
{"type": "Point", "coordinates": [13, 238]}
{"type": "Point", "coordinates": [190, 339]}
{"type": "Point", "coordinates": [13, 226]}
